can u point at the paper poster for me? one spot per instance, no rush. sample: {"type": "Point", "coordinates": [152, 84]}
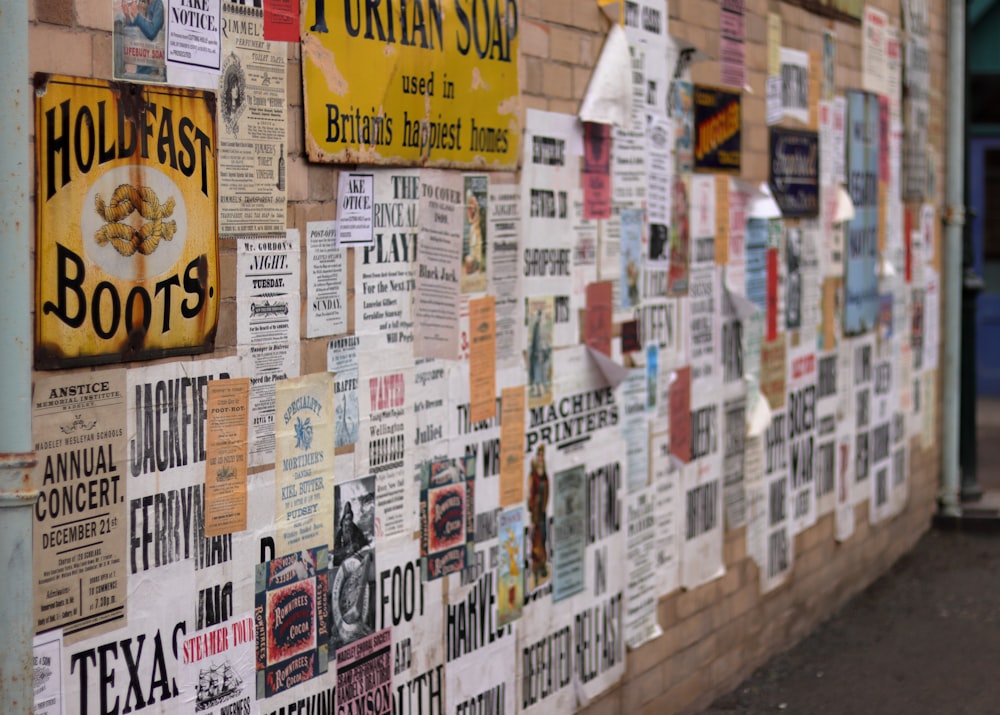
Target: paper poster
{"type": "Point", "coordinates": [773, 44]}
{"type": "Point", "coordinates": [597, 327]}
{"type": "Point", "coordinates": [596, 171]}
{"type": "Point", "coordinates": [482, 359]}
{"type": "Point", "coordinates": [290, 618]}
{"type": "Point", "coordinates": [281, 21]}
{"type": "Point", "coordinates": [794, 171]}
{"type": "Point", "coordinates": [539, 548]}
{"type": "Point", "coordinates": [303, 461]}
{"type": "Point", "coordinates": [549, 184]}
{"type": "Point", "coordinates": [541, 329]}
{"type": "Point", "coordinates": [447, 516]}
{"type": "Point", "coordinates": [437, 285]}
{"type": "Point", "coordinates": [632, 251]}
{"type": "Point", "coordinates": [512, 446]}
{"type": "Point", "coordinates": [475, 237]}
{"type": "Point", "coordinates": [218, 667]}
{"type": "Point", "coordinates": [568, 531]}
{"type": "Point", "coordinates": [874, 62]}
{"type": "Point", "coordinates": [828, 80]}
{"type": "Point", "coordinates": [355, 209]}
{"type": "Point", "coordinates": [826, 462]}
{"type": "Point", "coordinates": [326, 281]}
{"type": "Point", "coordinates": [510, 572]}
{"type": "Point", "coordinates": [628, 138]}
{"type": "Point", "coordinates": [681, 109]}
{"type": "Point", "coordinates": [386, 434]}
{"type": "Point", "coordinates": [46, 673]}
{"type": "Point", "coordinates": [701, 545]}
{"type": "Point", "coordinates": [641, 588]}
{"type": "Point", "coordinates": [862, 373]}
{"type": "Point", "coordinates": [659, 172]}
{"type": "Point", "coordinates": [734, 421]}
{"type": "Point", "coordinates": [880, 445]}
{"type": "Point", "coordinates": [795, 84]}
{"type": "Point", "coordinates": [666, 478]}
{"type": "Point", "coordinates": [226, 421]}
{"type": "Point", "coordinates": [680, 238]}
{"type": "Point", "coordinates": [342, 361]}
{"type": "Point", "coordinates": [194, 37]}
{"type": "Point", "coordinates": [364, 675]}
{"type": "Point", "coordinates": [502, 259]}
{"type": "Point", "coordinates": [718, 130]}
{"type": "Point", "coordinates": [861, 263]}
{"type": "Point", "coordinates": [267, 329]}
{"type": "Point", "coordinates": [139, 40]}
{"type": "Point", "coordinates": [732, 43]}
{"type": "Point", "coordinates": [801, 434]}
{"type": "Point", "coordinates": [253, 118]}
{"type": "Point", "coordinates": [354, 564]}
{"type": "Point", "coordinates": [78, 425]}
{"type": "Point", "coordinates": [484, 682]}
{"type": "Point", "coordinates": [680, 414]}
{"type": "Point", "coordinates": [704, 330]}
{"type": "Point", "coordinates": [384, 273]}
{"type": "Point", "coordinates": [778, 546]}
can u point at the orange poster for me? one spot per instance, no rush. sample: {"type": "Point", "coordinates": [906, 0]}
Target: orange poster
{"type": "Point", "coordinates": [512, 445]}
{"type": "Point", "coordinates": [226, 456]}
{"type": "Point", "coordinates": [483, 359]}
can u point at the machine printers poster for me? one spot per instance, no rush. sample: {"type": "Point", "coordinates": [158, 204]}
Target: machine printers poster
{"type": "Point", "coordinates": [861, 262]}
{"type": "Point", "coordinates": [354, 564]}
{"type": "Point", "coordinates": [290, 617]}
{"type": "Point", "coordinates": [550, 179]}
{"type": "Point", "coordinates": [384, 273]}
{"type": "Point", "coordinates": [218, 667]}
{"type": "Point", "coordinates": [326, 281]}
{"type": "Point", "coordinates": [364, 675]}
{"type": "Point", "coordinates": [386, 435]}
{"type": "Point", "coordinates": [503, 256]}
{"type": "Point", "coordinates": [303, 461]}
{"type": "Point", "coordinates": [78, 425]}
{"type": "Point", "coordinates": [253, 113]}
{"type": "Point", "coordinates": [701, 541]}
{"type": "Point", "coordinates": [342, 361]}
{"type": "Point", "coordinates": [267, 328]}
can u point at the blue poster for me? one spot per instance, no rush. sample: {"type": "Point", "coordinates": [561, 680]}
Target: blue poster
{"type": "Point", "coordinates": [861, 298]}
{"type": "Point", "coordinates": [569, 532]}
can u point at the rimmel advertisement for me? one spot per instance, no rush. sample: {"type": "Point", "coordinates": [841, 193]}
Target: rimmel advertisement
{"type": "Point", "coordinates": [429, 83]}
{"type": "Point", "coordinates": [126, 245]}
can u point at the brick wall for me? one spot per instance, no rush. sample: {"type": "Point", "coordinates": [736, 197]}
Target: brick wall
{"type": "Point", "coordinates": [717, 634]}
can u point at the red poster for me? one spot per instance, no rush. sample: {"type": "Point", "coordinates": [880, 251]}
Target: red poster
{"type": "Point", "coordinates": [596, 170]}
{"type": "Point", "coordinates": [597, 328]}
{"type": "Point", "coordinates": [281, 20]}
{"type": "Point", "coordinates": [772, 293]}
{"type": "Point", "coordinates": [680, 414]}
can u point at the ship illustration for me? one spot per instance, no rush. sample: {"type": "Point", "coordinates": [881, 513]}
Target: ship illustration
{"type": "Point", "coordinates": [216, 685]}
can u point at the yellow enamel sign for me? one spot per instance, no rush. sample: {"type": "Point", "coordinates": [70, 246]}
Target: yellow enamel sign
{"type": "Point", "coordinates": [127, 244]}
{"type": "Point", "coordinates": [415, 82]}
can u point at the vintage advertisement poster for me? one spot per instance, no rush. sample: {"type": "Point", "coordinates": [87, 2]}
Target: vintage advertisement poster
{"type": "Point", "coordinates": [598, 324]}
{"type": "Point", "coordinates": [862, 260]}
{"type": "Point", "coordinates": [628, 140]}
{"type": "Point", "coordinates": [342, 361]}
{"type": "Point", "coordinates": [291, 606]}
{"type": "Point", "coordinates": [777, 545]}
{"type": "Point", "coordinates": [701, 544]}
{"type": "Point", "coordinates": [680, 414]}
{"type": "Point", "coordinates": [874, 62]}
{"type": "Point", "coordinates": [641, 587]}
{"type": "Point", "coordinates": [502, 259]}
{"type": "Point", "coordinates": [79, 534]}
{"type": "Point", "coordinates": [476, 239]}
{"type": "Point", "coordinates": [140, 39]}
{"type": "Point", "coordinates": [681, 109]}
{"type": "Point", "coordinates": [541, 327]}
{"type": "Point", "coordinates": [510, 571]}
{"type": "Point", "coordinates": [194, 35]}
{"type": "Point", "coordinates": [596, 177]}
{"type": "Point", "coordinates": [800, 414]}
{"type": "Point", "coordinates": [386, 433]}
{"type": "Point", "coordinates": [253, 112]}
{"type": "Point", "coordinates": [352, 580]}
{"type": "Point", "coordinates": [482, 683]}
{"type": "Point", "coordinates": [732, 39]}
{"type": "Point", "coordinates": [411, 67]}
{"type": "Point", "coordinates": [795, 84]}
{"type": "Point", "coordinates": [705, 316]}
{"type": "Point", "coordinates": [717, 130]}
{"type": "Point", "coordinates": [126, 251]}
{"type": "Point", "coordinates": [794, 171]}
{"type": "Point", "coordinates": [862, 380]}
{"type": "Point", "coordinates": [447, 516]}
{"type": "Point", "coordinates": [550, 182]}
{"type": "Point", "coordinates": [635, 391]}
{"type": "Point", "coordinates": [734, 420]}
{"type": "Point", "coordinates": [46, 673]}
{"type": "Point", "coordinates": [881, 445]}
{"type": "Point", "coordinates": [218, 667]}
{"type": "Point", "coordinates": [226, 418]}
{"type": "Point", "coordinates": [828, 391]}
{"type": "Point", "coordinates": [355, 208]}
{"type": "Point", "coordinates": [680, 237]}
{"type": "Point", "coordinates": [569, 499]}
{"type": "Point", "coordinates": [482, 359]}
{"type": "Point", "coordinates": [436, 294]}
{"type": "Point", "coordinates": [267, 328]}
{"type": "Point", "coordinates": [632, 251]}
{"type": "Point", "coordinates": [384, 273]}
{"type": "Point", "coordinates": [326, 281]}
{"type": "Point", "coordinates": [666, 479]}
{"type": "Point", "coordinates": [512, 411]}
{"type": "Point", "coordinates": [303, 461]}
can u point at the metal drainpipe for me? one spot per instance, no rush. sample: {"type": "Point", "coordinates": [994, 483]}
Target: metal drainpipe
{"type": "Point", "coordinates": [954, 220]}
{"type": "Point", "coordinates": [16, 455]}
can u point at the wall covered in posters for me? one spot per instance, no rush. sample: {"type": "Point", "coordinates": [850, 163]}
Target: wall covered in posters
{"type": "Point", "coordinates": [558, 380]}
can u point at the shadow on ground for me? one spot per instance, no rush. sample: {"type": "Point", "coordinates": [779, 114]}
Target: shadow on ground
{"type": "Point", "coordinates": [924, 639]}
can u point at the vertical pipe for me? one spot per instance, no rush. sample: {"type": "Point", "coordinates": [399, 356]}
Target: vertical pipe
{"type": "Point", "coordinates": [16, 457]}
{"type": "Point", "coordinates": [954, 219]}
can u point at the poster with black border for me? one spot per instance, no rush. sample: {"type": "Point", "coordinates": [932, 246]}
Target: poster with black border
{"type": "Point", "coordinates": [447, 516]}
{"type": "Point", "coordinates": [793, 175]}
{"type": "Point", "coordinates": [352, 580]}
{"type": "Point", "coordinates": [717, 125]}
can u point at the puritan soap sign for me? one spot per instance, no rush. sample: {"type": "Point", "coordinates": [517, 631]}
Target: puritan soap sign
{"type": "Point", "coordinates": [126, 257]}
{"type": "Point", "coordinates": [418, 83]}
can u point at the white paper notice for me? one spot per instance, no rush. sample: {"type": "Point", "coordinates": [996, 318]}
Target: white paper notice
{"type": "Point", "coordinates": [193, 36]}
{"type": "Point", "coordinates": [326, 281]}
{"type": "Point", "coordinates": [355, 209]}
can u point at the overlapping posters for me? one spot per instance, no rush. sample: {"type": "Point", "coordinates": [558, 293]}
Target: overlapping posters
{"type": "Point", "coordinates": [218, 667]}
{"type": "Point", "coordinates": [303, 461]}
{"type": "Point", "coordinates": [352, 585]}
{"type": "Point", "coordinates": [139, 39]}
{"type": "Point", "coordinates": [717, 134]}
{"type": "Point", "coordinates": [861, 262]}
{"type": "Point", "coordinates": [424, 109]}
{"type": "Point", "coordinates": [364, 675]}
{"type": "Point", "coordinates": [291, 620]}
{"type": "Point", "coordinates": [78, 426]}
{"type": "Point", "coordinates": [126, 254]}
{"type": "Point", "coordinates": [794, 171]}
{"type": "Point", "coordinates": [384, 272]}
{"type": "Point", "coordinates": [267, 329]}
{"type": "Point", "coordinates": [447, 516]}
{"type": "Point", "coordinates": [253, 115]}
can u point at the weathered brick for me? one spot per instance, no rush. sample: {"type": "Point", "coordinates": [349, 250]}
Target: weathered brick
{"type": "Point", "coordinates": [534, 39]}
{"type": "Point", "coordinates": [557, 81]}
{"type": "Point", "coordinates": [59, 50]}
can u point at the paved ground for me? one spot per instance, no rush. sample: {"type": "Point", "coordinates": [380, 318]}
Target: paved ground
{"type": "Point", "coordinates": [922, 640]}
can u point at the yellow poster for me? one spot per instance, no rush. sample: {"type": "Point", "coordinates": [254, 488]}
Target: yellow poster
{"type": "Point", "coordinates": [126, 264]}
{"type": "Point", "coordinates": [418, 83]}
{"type": "Point", "coordinates": [226, 456]}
